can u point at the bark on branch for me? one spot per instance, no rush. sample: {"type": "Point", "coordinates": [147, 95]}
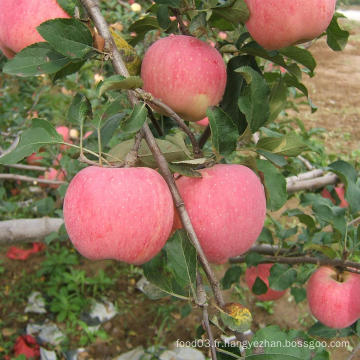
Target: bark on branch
{"type": "Point", "coordinates": [26, 230]}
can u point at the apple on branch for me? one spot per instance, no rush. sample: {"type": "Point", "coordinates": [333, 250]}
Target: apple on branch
{"type": "Point", "coordinates": [19, 19]}
{"type": "Point", "coordinates": [275, 24]}
{"type": "Point", "coordinates": [124, 214]}
{"type": "Point", "coordinates": [185, 73]}
{"type": "Point", "coordinates": [334, 297]}
{"type": "Point", "coordinates": [227, 208]}
{"type": "Point", "coordinates": [262, 271]}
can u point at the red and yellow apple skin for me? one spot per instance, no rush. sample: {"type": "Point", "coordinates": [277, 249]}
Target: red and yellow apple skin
{"type": "Point", "coordinates": [275, 24]}
{"type": "Point", "coordinates": [124, 214]}
{"type": "Point", "coordinates": [203, 122]}
{"type": "Point", "coordinates": [263, 272]}
{"type": "Point", "coordinates": [335, 304]}
{"type": "Point", "coordinates": [53, 174]}
{"type": "Point", "coordinates": [185, 73]}
{"type": "Point", "coordinates": [227, 208]}
{"type": "Point", "coordinates": [19, 19]}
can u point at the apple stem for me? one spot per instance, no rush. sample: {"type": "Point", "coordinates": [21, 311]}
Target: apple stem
{"type": "Point", "coordinates": [120, 68]}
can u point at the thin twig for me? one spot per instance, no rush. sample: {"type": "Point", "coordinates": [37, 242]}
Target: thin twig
{"type": "Point", "coordinates": [27, 167]}
{"type": "Point", "coordinates": [347, 265]}
{"type": "Point", "coordinates": [30, 179]}
{"type": "Point", "coordinates": [306, 162]}
{"type": "Point", "coordinates": [204, 137]}
{"type": "Point", "coordinates": [13, 145]}
{"type": "Point", "coordinates": [354, 222]}
{"type": "Point", "coordinates": [202, 302]}
{"type": "Point", "coordinates": [184, 30]}
{"type": "Point", "coordinates": [154, 121]}
{"type": "Point", "coordinates": [181, 123]}
{"type": "Point", "coordinates": [133, 154]}
{"type": "Point", "coordinates": [120, 68]}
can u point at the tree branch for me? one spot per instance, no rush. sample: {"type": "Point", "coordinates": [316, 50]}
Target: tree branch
{"type": "Point", "coordinates": [181, 123]}
{"type": "Point", "coordinates": [344, 264]}
{"type": "Point", "coordinates": [27, 167]}
{"type": "Point", "coordinates": [312, 184]}
{"type": "Point", "coordinates": [120, 68]}
{"type": "Point", "coordinates": [25, 230]}
{"type": "Point", "coordinates": [30, 179]}
{"type": "Point", "coordinates": [202, 302]}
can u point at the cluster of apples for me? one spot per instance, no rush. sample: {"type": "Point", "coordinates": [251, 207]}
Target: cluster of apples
{"type": "Point", "coordinates": [127, 214]}
{"type": "Point", "coordinates": [333, 297]}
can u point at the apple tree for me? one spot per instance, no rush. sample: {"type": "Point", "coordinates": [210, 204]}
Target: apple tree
{"type": "Point", "coordinates": [146, 184]}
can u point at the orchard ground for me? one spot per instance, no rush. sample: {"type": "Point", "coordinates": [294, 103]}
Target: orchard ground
{"type": "Point", "coordinates": [334, 90]}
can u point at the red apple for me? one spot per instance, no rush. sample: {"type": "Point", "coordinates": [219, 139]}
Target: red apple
{"type": "Point", "coordinates": [203, 122]}
{"type": "Point", "coordinates": [53, 174]}
{"type": "Point", "coordinates": [64, 131]}
{"type": "Point", "coordinates": [227, 207]}
{"type": "Point", "coordinates": [263, 272]}
{"type": "Point", "coordinates": [186, 73]}
{"type": "Point", "coordinates": [334, 300]}
{"type": "Point", "coordinates": [340, 192]}
{"type": "Point", "coordinates": [19, 19]}
{"type": "Point", "coordinates": [124, 214]}
{"type": "Point", "coordinates": [275, 24]}
{"type": "Point", "coordinates": [34, 159]}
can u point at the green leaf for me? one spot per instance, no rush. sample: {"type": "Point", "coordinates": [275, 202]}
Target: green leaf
{"type": "Point", "coordinates": [349, 177]}
{"type": "Point", "coordinates": [79, 109]}
{"type": "Point", "coordinates": [171, 3]}
{"type": "Point", "coordinates": [171, 152]}
{"type": "Point", "coordinates": [108, 129]}
{"type": "Point", "coordinates": [69, 37]}
{"type": "Point", "coordinates": [331, 215]}
{"type": "Point", "coordinates": [299, 294]}
{"type": "Point", "coordinates": [142, 26]}
{"type": "Point", "coordinates": [292, 81]}
{"type": "Point", "coordinates": [68, 70]}
{"type": "Point", "coordinates": [69, 6]}
{"type": "Point", "coordinates": [224, 132]}
{"type": "Point", "coordinates": [300, 55]}
{"type": "Point", "coordinates": [277, 160]}
{"type": "Point", "coordinates": [254, 104]}
{"type": "Point", "coordinates": [173, 270]}
{"type": "Point", "coordinates": [236, 86]}
{"type": "Point", "coordinates": [182, 259]}
{"type": "Point", "coordinates": [185, 170]}
{"type": "Point", "coordinates": [304, 218]}
{"type": "Point", "coordinates": [236, 317]}
{"type": "Point", "coordinates": [320, 330]}
{"type": "Point", "coordinates": [275, 185]}
{"type": "Point", "coordinates": [232, 276]}
{"type": "Point", "coordinates": [36, 59]}
{"type": "Point", "coordinates": [233, 11]}
{"type": "Point", "coordinates": [40, 133]}
{"type": "Point", "coordinates": [259, 287]}
{"type": "Point", "coordinates": [326, 250]}
{"type": "Point", "coordinates": [162, 15]}
{"type": "Point", "coordinates": [133, 123]}
{"type": "Point", "coordinates": [119, 82]}
{"type": "Point", "coordinates": [287, 145]}
{"type": "Point", "coordinates": [337, 38]}
{"type": "Point", "coordinates": [281, 276]}
{"type": "Point", "coordinates": [253, 259]}
{"type": "Point", "coordinates": [198, 24]}
{"type": "Point", "coordinates": [278, 99]}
